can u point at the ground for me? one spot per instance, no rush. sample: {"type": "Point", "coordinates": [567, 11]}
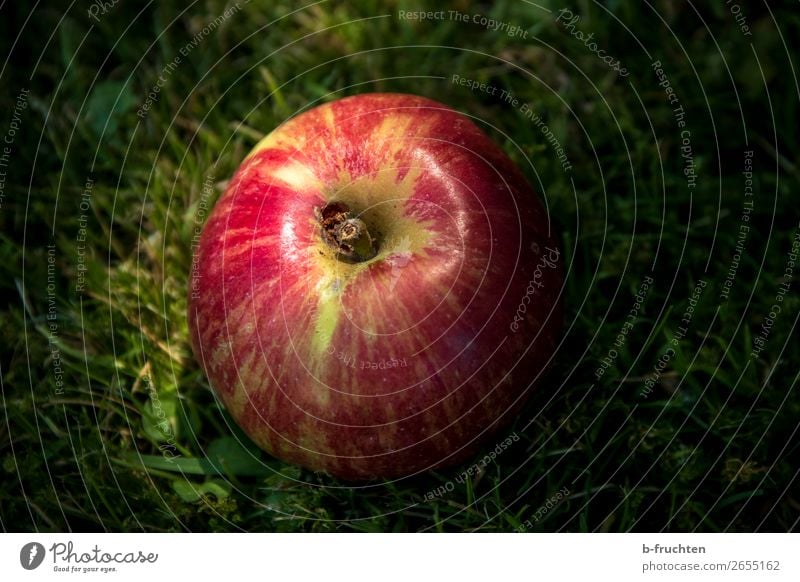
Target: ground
{"type": "Point", "coordinates": [662, 136]}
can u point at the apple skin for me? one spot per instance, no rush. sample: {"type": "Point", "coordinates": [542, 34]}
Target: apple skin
{"type": "Point", "coordinates": [397, 364]}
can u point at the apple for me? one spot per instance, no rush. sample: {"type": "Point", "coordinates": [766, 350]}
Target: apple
{"type": "Point", "coordinates": [377, 290]}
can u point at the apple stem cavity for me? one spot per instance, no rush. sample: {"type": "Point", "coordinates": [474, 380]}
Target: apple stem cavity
{"type": "Point", "coordinates": [346, 234]}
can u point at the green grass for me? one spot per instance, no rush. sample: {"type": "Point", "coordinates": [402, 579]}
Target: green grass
{"type": "Point", "coordinates": [713, 447]}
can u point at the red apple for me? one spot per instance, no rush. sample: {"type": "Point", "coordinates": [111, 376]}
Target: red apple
{"type": "Point", "coordinates": [377, 290]}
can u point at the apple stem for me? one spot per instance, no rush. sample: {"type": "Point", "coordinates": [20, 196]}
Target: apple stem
{"type": "Point", "coordinates": [346, 234]}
